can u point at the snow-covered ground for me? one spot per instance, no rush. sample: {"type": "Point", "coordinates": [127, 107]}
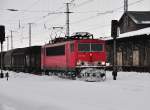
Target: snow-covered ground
{"type": "Point", "coordinates": [131, 91]}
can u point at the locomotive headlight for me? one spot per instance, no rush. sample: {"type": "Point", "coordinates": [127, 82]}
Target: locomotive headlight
{"type": "Point", "coordinates": [79, 62]}
{"type": "Point", "coordinates": [107, 64]}
{"type": "Point", "coordinates": [103, 62]}
{"type": "Point", "coordinates": [86, 63]}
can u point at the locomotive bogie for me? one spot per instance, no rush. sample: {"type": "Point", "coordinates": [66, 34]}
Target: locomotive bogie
{"type": "Point", "coordinates": [93, 74]}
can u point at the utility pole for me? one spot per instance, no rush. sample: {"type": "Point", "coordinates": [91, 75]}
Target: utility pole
{"type": "Point", "coordinates": [125, 11]}
{"type": "Point", "coordinates": [67, 20]}
{"type": "Point", "coordinates": [30, 33]}
{"type": "Point", "coordinates": [11, 37]}
{"type": "Point", "coordinates": [114, 35]}
{"type": "Point", "coordinates": [125, 5]}
{"type": "Point", "coordinates": [2, 60]}
{"type": "Point", "coordinates": [7, 42]}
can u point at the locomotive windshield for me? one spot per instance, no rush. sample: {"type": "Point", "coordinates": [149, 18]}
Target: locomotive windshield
{"type": "Point", "coordinates": [90, 47]}
{"type": "Point", "coordinates": [84, 47]}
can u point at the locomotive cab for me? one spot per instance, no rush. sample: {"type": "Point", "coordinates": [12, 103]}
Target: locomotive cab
{"type": "Point", "coordinates": [91, 54]}
{"type": "Point", "coordinates": [91, 57]}
{"type": "Point", "coordinates": [88, 57]}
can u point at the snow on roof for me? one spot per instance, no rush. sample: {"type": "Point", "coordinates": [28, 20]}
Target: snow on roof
{"type": "Point", "coordinates": [145, 22]}
{"type": "Point", "coordinates": [135, 33]}
{"type": "Point", "coordinates": [145, 31]}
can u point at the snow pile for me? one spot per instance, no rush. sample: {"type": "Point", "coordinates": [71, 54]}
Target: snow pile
{"type": "Point", "coordinates": [4, 107]}
{"type": "Point", "coordinates": [30, 92]}
{"type": "Point", "coordinates": [27, 76]}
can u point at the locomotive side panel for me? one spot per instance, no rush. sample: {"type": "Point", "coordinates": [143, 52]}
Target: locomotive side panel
{"type": "Point", "coordinates": [72, 55]}
{"type": "Point", "coordinates": [54, 57]}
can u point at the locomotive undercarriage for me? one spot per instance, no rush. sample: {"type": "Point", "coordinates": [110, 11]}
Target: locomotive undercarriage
{"type": "Point", "coordinates": [62, 73]}
{"type": "Point", "coordinates": [92, 73]}
{"type": "Point", "coordinates": [81, 73]}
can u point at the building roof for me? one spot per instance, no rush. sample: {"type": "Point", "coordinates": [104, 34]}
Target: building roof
{"type": "Point", "coordinates": [139, 17]}
{"type": "Point", "coordinates": [144, 31]}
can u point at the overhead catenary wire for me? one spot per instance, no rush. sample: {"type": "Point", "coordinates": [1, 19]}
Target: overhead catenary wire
{"type": "Point", "coordinates": [72, 1]}
{"type": "Point", "coordinates": [82, 4]}
{"type": "Point", "coordinates": [94, 27]}
{"type": "Point", "coordinates": [27, 8]}
{"type": "Point", "coordinates": [60, 12]}
{"type": "Point", "coordinates": [57, 13]}
{"type": "Point", "coordinates": [19, 12]}
{"type": "Point", "coordinates": [49, 13]}
{"type": "Point", "coordinates": [98, 13]}
{"type": "Point", "coordinates": [101, 13]}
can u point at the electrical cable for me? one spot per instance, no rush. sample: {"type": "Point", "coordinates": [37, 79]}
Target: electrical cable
{"type": "Point", "coordinates": [104, 13]}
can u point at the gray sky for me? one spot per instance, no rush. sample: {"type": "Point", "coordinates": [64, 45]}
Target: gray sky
{"type": "Point", "coordinates": [92, 16]}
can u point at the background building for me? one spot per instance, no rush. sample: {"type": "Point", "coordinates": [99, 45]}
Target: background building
{"type": "Point", "coordinates": [133, 46]}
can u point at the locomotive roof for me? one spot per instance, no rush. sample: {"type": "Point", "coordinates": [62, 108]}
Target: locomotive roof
{"type": "Point", "coordinates": [87, 40]}
{"type": "Point", "coordinates": [75, 36]}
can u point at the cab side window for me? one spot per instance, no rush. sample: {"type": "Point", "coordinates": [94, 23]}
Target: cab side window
{"type": "Point", "coordinates": [55, 51]}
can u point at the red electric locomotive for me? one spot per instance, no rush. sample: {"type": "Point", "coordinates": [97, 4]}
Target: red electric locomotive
{"type": "Point", "coordinates": [71, 56]}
